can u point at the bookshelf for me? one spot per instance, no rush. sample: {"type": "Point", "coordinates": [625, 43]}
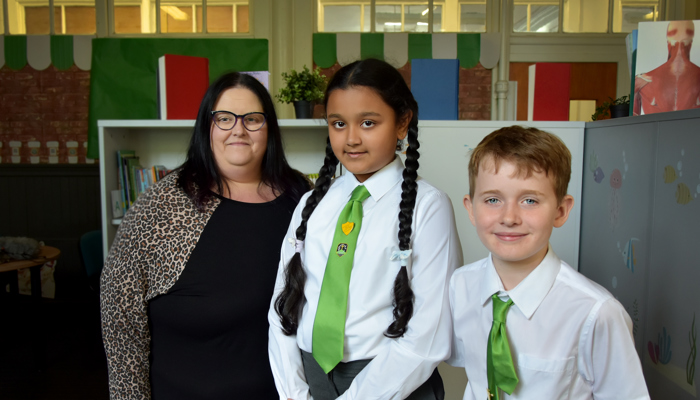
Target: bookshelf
{"type": "Point", "coordinates": [165, 142]}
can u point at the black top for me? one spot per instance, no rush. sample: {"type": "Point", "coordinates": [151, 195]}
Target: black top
{"type": "Point", "coordinates": [209, 332]}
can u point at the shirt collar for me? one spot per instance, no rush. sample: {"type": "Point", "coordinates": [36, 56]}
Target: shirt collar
{"type": "Point", "coordinates": [529, 293]}
{"type": "Point", "coordinates": [381, 181]}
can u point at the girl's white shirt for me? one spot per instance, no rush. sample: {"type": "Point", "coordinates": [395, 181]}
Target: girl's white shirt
{"type": "Point", "coordinates": [399, 366]}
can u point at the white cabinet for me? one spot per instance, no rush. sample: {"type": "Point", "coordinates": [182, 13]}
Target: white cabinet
{"type": "Point", "coordinates": [165, 142]}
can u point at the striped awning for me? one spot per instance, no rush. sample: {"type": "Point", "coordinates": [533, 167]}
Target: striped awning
{"type": "Point", "coordinates": [398, 48]}
{"type": "Point", "coordinates": [40, 51]}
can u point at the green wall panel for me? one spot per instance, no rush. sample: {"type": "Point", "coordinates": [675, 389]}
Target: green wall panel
{"type": "Point", "coordinates": [123, 79]}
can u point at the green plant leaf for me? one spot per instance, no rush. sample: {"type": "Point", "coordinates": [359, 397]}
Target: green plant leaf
{"type": "Point", "coordinates": [306, 85]}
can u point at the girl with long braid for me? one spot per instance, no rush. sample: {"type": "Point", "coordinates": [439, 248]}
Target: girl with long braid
{"type": "Point", "coordinates": [360, 309]}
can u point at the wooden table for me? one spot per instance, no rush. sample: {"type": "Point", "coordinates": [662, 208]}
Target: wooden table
{"type": "Point", "coordinates": [47, 254]}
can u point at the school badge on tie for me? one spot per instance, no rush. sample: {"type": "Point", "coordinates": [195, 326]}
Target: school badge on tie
{"type": "Point", "coordinates": [347, 227]}
{"type": "Point", "coordinates": [341, 249]}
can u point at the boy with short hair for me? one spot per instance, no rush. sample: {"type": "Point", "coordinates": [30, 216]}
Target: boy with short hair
{"type": "Point", "coordinates": [527, 325]}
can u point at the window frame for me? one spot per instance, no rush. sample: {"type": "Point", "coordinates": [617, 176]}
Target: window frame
{"type": "Point", "coordinates": [403, 3]}
{"type": "Point", "coordinates": [158, 23]}
{"type": "Point", "coordinates": [105, 23]}
{"type": "Point", "coordinates": [659, 7]}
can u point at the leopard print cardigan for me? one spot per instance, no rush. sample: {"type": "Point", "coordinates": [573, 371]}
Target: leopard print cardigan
{"type": "Point", "coordinates": [149, 252]}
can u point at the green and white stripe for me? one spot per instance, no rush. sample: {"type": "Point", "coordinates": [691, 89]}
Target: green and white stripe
{"type": "Point", "coordinates": [40, 51]}
{"type": "Point", "coordinates": [398, 48]}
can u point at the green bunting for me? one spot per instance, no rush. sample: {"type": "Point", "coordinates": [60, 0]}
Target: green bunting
{"type": "Point", "coordinates": [325, 54]}
{"type": "Point", "coordinates": [62, 52]}
{"type": "Point", "coordinates": [16, 51]}
{"type": "Point", "coordinates": [420, 45]}
{"type": "Point", "coordinates": [468, 49]}
{"type": "Point", "coordinates": [372, 45]}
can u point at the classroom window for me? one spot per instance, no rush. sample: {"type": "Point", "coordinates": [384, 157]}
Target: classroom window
{"type": "Point", "coordinates": [75, 20]}
{"type": "Point", "coordinates": [472, 17]}
{"type": "Point", "coordinates": [346, 18]}
{"type": "Point", "coordinates": [582, 16]}
{"type": "Point", "coordinates": [127, 18]}
{"type": "Point", "coordinates": [388, 18]}
{"type": "Point", "coordinates": [396, 16]}
{"type": "Point", "coordinates": [628, 14]}
{"type": "Point", "coordinates": [437, 19]}
{"type": "Point", "coordinates": [77, 17]}
{"type": "Point", "coordinates": [415, 18]}
{"type": "Point", "coordinates": [585, 16]}
{"type": "Point", "coordinates": [131, 16]}
{"type": "Point", "coordinates": [540, 17]}
{"type": "Point", "coordinates": [34, 17]}
{"type": "Point", "coordinates": [227, 17]}
{"type": "Point", "coordinates": [181, 16]}
{"type": "Point", "coordinates": [37, 20]}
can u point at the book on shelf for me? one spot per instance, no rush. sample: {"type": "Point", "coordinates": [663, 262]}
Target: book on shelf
{"type": "Point", "coordinates": [182, 82]}
{"type": "Point", "coordinates": [132, 164]}
{"type": "Point", "coordinates": [122, 155]}
{"type": "Point", "coordinates": [134, 179]}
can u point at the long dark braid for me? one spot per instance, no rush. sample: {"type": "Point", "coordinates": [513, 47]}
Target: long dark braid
{"type": "Point", "coordinates": [403, 294]}
{"type": "Point", "coordinates": [291, 300]}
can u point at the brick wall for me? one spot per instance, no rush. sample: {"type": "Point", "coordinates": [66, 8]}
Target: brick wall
{"type": "Point", "coordinates": [474, 91]}
{"type": "Point", "coordinates": [46, 112]}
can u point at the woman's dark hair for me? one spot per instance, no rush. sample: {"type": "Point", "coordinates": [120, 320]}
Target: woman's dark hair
{"type": "Point", "coordinates": [199, 173]}
{"type": "Point", "coordinates": [388, 83]}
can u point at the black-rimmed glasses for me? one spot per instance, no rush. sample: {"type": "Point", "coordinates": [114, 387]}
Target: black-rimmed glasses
{"type": "Point", "coordinates": [226, 120]}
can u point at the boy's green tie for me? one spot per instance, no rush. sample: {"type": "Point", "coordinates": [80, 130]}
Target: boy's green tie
{"type": "Point", "coordinates": [329, 324]}
{"type": "Point", "coordinates": [499, 362]}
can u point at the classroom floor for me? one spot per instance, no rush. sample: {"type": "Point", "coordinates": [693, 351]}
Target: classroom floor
{"type": "Point", "coordinates": [75, 366]}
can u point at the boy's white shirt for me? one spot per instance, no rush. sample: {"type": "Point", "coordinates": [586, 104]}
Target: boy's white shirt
{"type": "Point", "coordinates": [569, 337]}
{"type": "Point", "coordinates": [400, 365]}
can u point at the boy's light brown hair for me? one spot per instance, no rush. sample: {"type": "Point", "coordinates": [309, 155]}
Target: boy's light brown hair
{"type": "Point", "coordinates": [530, 149]}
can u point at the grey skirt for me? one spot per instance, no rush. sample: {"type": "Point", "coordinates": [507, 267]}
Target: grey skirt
{"type": "Point", "coordinates": [329, 386]}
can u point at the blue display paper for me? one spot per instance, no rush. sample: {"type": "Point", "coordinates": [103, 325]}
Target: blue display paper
{"type": "Point", "coordinates": [435, 85]}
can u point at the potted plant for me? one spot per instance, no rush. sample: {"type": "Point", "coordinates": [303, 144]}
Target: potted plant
{"type": "Point", "coordinates": [614, 108]}
{"type": "Point", "coordinates": [302, 88]}
{"type": "Point", "coordinates": [620, 107]}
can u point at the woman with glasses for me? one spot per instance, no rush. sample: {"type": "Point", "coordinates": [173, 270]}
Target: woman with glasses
{"type": "Point", "coordinates": [188, 281]}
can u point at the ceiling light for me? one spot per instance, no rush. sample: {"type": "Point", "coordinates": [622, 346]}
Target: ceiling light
{"type": "Point", "coordinates": [425, 11]}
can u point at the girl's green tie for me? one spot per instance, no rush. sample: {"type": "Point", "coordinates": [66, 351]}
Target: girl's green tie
{"type": "Point", "coordinates": [329, 324]}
